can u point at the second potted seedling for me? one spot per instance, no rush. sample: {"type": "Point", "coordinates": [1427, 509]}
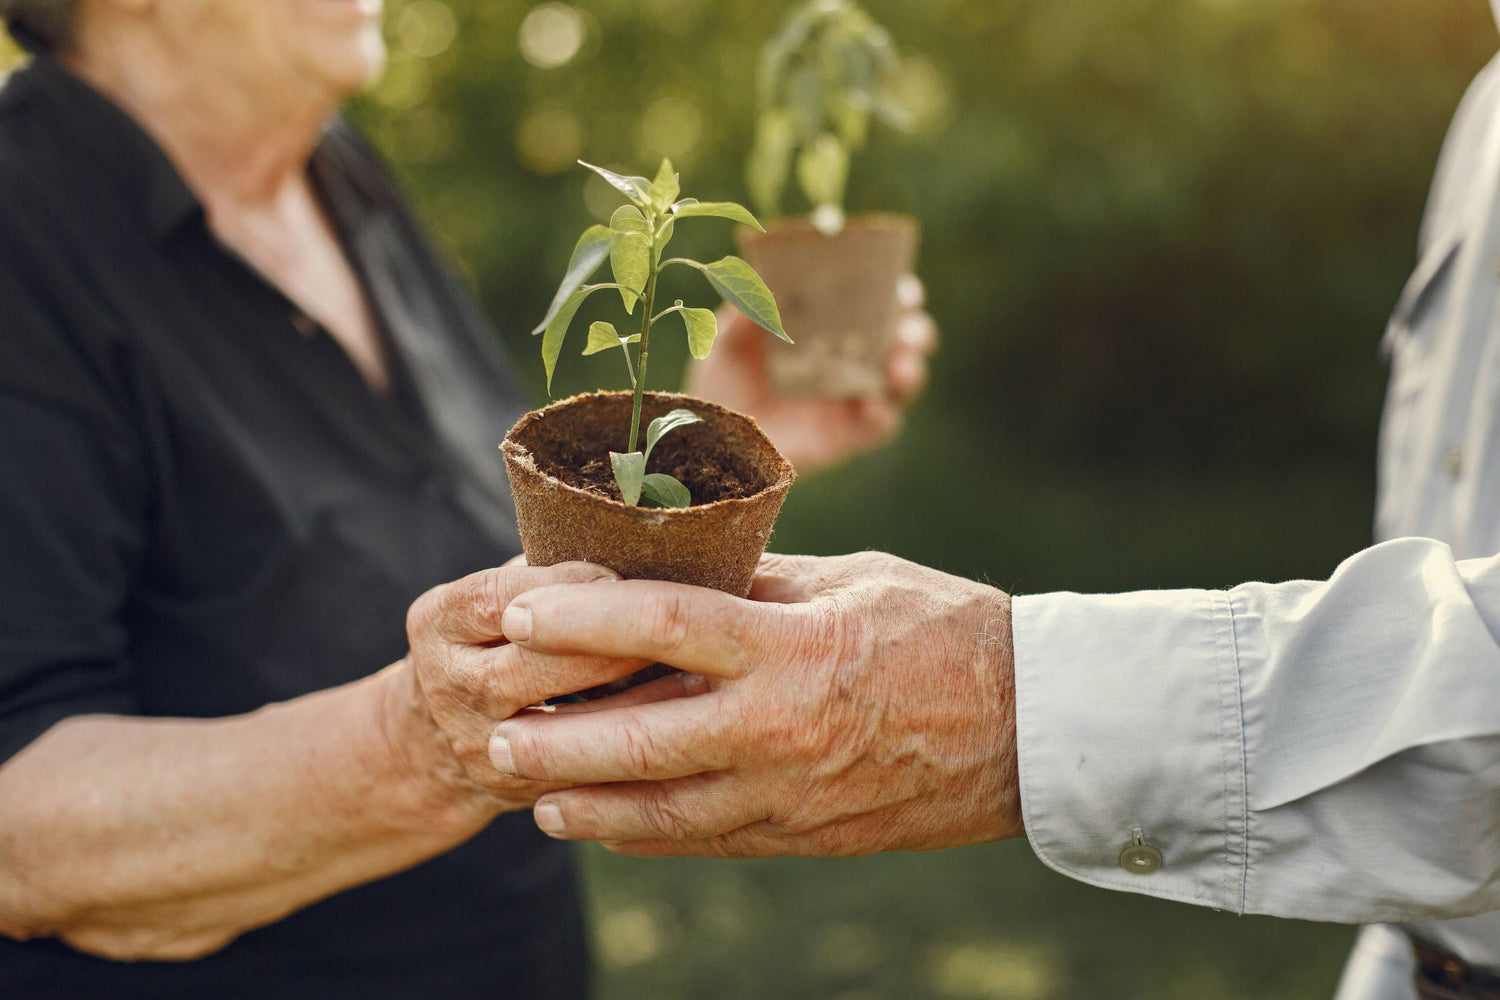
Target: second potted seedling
{"type": "Point", "coordinates": [652, 485]}
{"type": "Point", "coordinates": [822, 80]}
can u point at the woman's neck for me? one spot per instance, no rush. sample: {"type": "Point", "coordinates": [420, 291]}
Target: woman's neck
{"type": "Point", "coordinates": [237, 143]}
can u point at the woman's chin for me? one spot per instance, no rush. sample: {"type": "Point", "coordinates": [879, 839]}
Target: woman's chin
{"type": "Point", "coordinates": [357, 68]}
{"type": "Point", "coordinates": [371, 63]}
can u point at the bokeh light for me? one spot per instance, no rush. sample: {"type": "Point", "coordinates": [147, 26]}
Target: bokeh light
{"type": "Point", "coordinates": [993, 970]}
{"type": "Point", "coordinates": [427, 132]}
{"type": "Point", "coordinates": [670, 126]}
{"type": "Point", "coordinates": [552, 34]}
{"type": "Point", "coordinates": [634, 934]}
{"type": "Point", "coordinates": [10, 55]}
{"type": "Point", "coordinates": [550, 139]}
{"type": "Point", "coordinates": [406, 83]}
{"type": "Point", "coordinates": [426, 28]}
{"type": "Point", "coordinates": [599, 197]}
{"type": "Point", "coordinates": [920, 90]}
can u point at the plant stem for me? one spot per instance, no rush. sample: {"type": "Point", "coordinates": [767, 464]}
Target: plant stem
{"type": "Point", "coordinates": [649, 297]}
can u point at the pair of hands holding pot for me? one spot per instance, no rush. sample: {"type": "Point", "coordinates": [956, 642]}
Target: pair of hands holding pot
{"type": "Point", "coordinates": [850, 705]}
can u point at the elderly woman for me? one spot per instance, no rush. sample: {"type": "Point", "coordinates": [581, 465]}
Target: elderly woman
{"type": "Point", "coordinates": [247, 417]}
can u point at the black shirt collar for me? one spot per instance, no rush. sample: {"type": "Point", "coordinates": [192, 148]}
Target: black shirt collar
{"type": "Point", "coordinates": [105, 134]}
{"type": "Point", "coordinates": [81, 117]}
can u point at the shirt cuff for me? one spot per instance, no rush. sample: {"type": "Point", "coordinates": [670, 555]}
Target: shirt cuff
{"type": "Point", "coordinates": [1128, 719]}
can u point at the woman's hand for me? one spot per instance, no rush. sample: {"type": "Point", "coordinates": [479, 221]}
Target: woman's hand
{"type": "Point", "coordinates": [814, 432]}
{"type": "Point", "coordinates": [458, 694]}
{"type": "Point", "coordinates": [164, 839]}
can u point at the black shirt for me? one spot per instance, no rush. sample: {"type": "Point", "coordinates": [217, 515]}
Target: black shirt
{"type": "Point", "coordinates": [205, 509]}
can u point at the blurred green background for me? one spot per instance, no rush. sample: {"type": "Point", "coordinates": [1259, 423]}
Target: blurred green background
{"type": "Point", "coordinates": [1161, 238]}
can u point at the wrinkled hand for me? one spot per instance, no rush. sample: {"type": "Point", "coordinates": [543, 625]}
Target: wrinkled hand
{"type": "Point", "coordinates": [465, 679]}
{"type": "Point", "coordinates": [853, 705]}
{"type": "Point", "coordinates": [813, 432]}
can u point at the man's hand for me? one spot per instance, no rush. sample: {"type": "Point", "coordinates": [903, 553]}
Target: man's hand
{"type": "Point", "coordinates": [853, 705]}
{"type": "Point", "coordinates": [813, 432]}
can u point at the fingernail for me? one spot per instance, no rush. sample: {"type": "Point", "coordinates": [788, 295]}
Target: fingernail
{"type": "Point", "coordinates": [500, 755]}
{"type": "Point", "coordinates": [910, 331]}
{"type": "Point", "coordinates": [549, 819]}
{"type": "Point", "coordinates": [909, 291]}
{"type": "Point", "coordinates": [516, 623]}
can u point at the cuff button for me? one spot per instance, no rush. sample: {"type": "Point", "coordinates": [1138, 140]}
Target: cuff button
{"type": "Point", "coordinates": [1139, 857]}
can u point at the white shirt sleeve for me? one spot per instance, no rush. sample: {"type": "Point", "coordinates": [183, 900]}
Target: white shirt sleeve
{"type": "Point", "coordinates": [1328, 751]}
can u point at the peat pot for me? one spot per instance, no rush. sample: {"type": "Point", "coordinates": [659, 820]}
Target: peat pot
{"type": "Point", "coordinates": [569, 508]}
{"type": "Point", "coordinates": [837, 297]}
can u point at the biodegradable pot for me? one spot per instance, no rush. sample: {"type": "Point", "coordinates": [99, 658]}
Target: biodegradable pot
{"type": "Point", "coordinates": [568, 507]}
{"type": "Point", "coordinates": [837, 297]}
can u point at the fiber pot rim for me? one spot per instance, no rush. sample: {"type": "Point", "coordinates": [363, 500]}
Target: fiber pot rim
{"type": "Point", "coordinates": [784, 474]}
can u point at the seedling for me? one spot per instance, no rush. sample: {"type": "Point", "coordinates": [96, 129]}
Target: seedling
{"type": "Point", "coordinates": [821, 80]}
{"type": "Point", "coordinates": [633, 242]}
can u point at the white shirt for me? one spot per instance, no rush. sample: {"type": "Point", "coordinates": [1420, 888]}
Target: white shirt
{"type": "Point", "coordinates": [1322, 750]}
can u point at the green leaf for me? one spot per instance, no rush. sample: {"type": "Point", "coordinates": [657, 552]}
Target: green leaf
{"type": "Point", "coordinates": [630, 257]}
{"type": "Point", "coordinates": [770, 159]}
{"type": "Point", "coordinates": [665, 238]}
{"type": "Point", "coordinates": [603, 336]}
{"type": "Point", "coordinates": [718, 209]}
{"type": "Point", "coordinates": [806, 96]}
{"type": "Point", "coordinates": [854, 124]}
{"type": "Point", "coordinates": [631, 262]}
{"type": "Point", "coordinates": [743, 289]}
{"type": "Point", "coordinates": [628, 219]}
{"type": "Point", "coordinates": [823, 169]}
{"type": "Point", "coordinates": [661, 490]}
{"type": "Point", "coordinates": [630, 474]}
{"type": "Point", "coordinates": [778, 52]}
{"type": "Point", "coordinates": [892, 114]}
{"type": "Point", "coordinates": [663, 425]}
{"type": "Point", "coordinates": [557, 331]}
{"type": "Point", "coordinates": [592, 247]}
{"type": "Point", "coordinates": [665, 189]}
{"type": "Point", "coordinates": [702, 328]}
{"type": "Point", "coordinates": [635, 188]}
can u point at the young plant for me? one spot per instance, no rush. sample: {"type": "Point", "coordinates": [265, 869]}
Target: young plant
{"type": "Point", "coordinates": [633, 242]}
{"type": "Point", "coordinates": [821, 80]}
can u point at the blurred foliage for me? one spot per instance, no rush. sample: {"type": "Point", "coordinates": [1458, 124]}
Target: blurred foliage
{"type": "Point", "coordinates": [1209, 205]}
{"type": "Point", "coordinates": [819, 81]}
{"type": "Point", "coordinates": [1161, 239]}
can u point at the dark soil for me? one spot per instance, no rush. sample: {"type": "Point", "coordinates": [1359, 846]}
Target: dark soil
{"type": "Point", "coordinates": [691, 454]}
